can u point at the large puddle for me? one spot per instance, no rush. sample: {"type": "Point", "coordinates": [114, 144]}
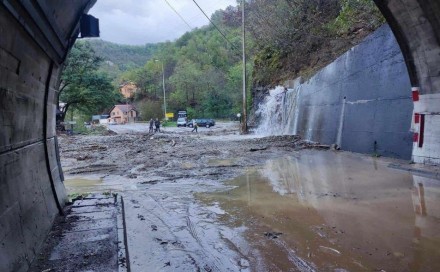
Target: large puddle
{"type": "Point", "coordinates": [97, 184]}
{"type": "Point", "coordinates": [331, 211]}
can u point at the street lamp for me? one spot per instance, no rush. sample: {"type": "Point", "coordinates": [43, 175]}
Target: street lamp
{"type": "Point", "coordinates": [244, 128]}
{"type": "Point", "coordinates": [163, 85]}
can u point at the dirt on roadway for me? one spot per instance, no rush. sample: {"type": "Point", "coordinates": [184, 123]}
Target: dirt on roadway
{"type": "Point", "coordinates": [219, 201]}
{"type": "Point", "coordinates": [173, 154]}
{"type": "Point", "coordinates": [158, 175]}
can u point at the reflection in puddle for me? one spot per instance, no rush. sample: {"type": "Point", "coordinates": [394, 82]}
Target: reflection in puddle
{"type": "Point", "coordinates": [82, 185]}
{"type": "Point", "coordinates": [336, 211]}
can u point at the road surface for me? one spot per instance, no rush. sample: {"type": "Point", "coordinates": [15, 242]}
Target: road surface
{"type": "Point", "coordinates": [220, 201]}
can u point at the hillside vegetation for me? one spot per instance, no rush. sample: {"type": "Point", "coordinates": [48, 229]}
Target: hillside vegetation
{"type": "Point", "coordinates": [203, 70]}
{"type": "Point", "coordinates": [297, 38]}
{"type": "Point", "coordinates": [118, 58]}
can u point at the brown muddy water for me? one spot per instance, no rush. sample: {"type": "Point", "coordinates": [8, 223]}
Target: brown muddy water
{"type": "Point", "coordinates": [92, 184]}
{"type": "Point", "coordinates": [81, 185]}
{"type": "Point", "coordinates": [330, 211]}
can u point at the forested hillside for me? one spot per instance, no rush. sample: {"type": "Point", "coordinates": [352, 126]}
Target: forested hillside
{"type": "Point", "coordinates": [297, 38]}
{"type": "Point", "coordinates": [203, 68]}
{"type": "Point", "coordinates": [202, 72]}
{"type": "Point", "coordinates": [286, 39]}
{"type": "Point", "coordinates": [118, 58]}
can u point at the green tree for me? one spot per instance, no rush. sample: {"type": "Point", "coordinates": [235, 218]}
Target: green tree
{"type": "Point", "coordinates": [82, 86]}
{"type": "Point", "coordinates": [151, 110]}
{"type": "Point", "coordinates": [186, 83]}
{"type": "Point", "coordinates": [357, 14]}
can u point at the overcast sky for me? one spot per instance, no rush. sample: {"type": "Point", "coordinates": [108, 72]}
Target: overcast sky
{"type": "Point", "coordinates": [149, 21]}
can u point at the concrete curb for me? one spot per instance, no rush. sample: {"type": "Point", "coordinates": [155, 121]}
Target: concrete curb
{"type": "Point", "coordinates": [123, 256]}
{"type": "Point", "coordinates": [416, 171]}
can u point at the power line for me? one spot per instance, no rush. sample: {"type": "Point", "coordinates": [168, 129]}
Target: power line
{"type": "Point", "coordinates": [218, 29]}
{"type": "Point", "coordinates": [178, 14]}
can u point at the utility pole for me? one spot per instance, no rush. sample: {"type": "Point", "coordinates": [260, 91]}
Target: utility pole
{"type": "Point", "coordinates": [244, 128]}
{"type": "Point", "coordinates": [163, 85]}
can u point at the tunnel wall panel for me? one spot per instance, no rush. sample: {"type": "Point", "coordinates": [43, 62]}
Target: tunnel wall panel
{"type": "Point", "coordinates": [375, 116]}
{"type": "Point", "coordinates": [35, 37]}
{"type": "Point", "coordinates": [55, 170]}
{"type": "Point", "coordinates": [27, 206]}
{"type": "Point", "coordinates": [31, 188]}
{"type": "Point", "coordinates": [51, 114]}
{"type": "Point", "coordinates": [22, 91]}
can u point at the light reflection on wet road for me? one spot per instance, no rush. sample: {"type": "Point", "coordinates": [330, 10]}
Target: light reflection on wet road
{"type": "Point", "coordinates": [335, 211]}
{"type": "Point", "coordinates": [314, 211]}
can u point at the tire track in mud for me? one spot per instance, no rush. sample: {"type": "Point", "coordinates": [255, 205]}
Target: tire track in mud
{"type": "Point", "coordinates": [172, 249]}
{"type": "Point", "coordinates": [211, 266]}
{"type": "Point", "coordinates": [165, 225]}
{"type": "Point", "coordinates": [202, 256]}
{"type": "Point", "coordinates": [197, 257]}
{"type": "Point", "coordinates": [192, 230]}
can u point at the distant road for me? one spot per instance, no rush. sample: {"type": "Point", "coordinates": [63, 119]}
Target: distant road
{"type": "Point", "coordinates": [136, 128]}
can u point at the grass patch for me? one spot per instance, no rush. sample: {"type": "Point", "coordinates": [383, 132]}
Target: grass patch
{"type": "Point", "coordinates": [169, 124]}
{"type": "Point", "coordinates": [77, 196]}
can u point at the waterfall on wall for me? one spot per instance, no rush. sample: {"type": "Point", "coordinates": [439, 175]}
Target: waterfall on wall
{"type": "Point", "coordinates": [278, 112]}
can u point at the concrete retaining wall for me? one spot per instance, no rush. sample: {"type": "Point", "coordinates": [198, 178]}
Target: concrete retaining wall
{"type": "Point", "coordinates": [362, 101]}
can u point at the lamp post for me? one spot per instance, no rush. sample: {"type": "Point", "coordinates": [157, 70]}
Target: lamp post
{"type": "Point", "coordinates": [163, 85]}
{"type": "Point", "coordinates": [244, 128]}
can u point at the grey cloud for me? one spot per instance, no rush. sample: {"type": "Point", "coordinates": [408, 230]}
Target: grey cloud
{"type": "Point", "coordinates": [150, 21]}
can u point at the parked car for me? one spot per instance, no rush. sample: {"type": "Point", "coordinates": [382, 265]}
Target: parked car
{"type": "Point", "coordinates": [211, 122]}
{"type": "Point", "coordinates": [203, 122]}
{"type": "Point", "coordinates": [181, 122]}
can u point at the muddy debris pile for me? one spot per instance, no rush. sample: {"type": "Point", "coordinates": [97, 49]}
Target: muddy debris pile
{"type": "Point", "coordinates": [169, 155]}
{"type": "Point", "coordinates": [196, 202]}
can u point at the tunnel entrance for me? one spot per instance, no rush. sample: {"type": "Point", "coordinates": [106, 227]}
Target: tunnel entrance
{"type": "Point", "coordinates": [35, 38]}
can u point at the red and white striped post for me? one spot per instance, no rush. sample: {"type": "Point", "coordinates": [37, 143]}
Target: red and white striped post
{"type": "Point", "coordinates": [418, 120]}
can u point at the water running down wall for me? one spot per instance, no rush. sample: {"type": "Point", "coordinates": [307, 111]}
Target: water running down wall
{"type": "Point", "coordinates": [361, 102]}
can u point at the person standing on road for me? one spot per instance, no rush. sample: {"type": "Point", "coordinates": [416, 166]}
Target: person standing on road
{"type": "Point", "coordinates": [151, 125]}
{"type": "Point", "coordinates": [194, 126]}
{"type": "Point", "coordinates": [157, 123]}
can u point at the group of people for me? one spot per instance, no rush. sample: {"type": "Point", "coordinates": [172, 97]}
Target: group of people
{"type": "Point", "coordinates": [154, 125]}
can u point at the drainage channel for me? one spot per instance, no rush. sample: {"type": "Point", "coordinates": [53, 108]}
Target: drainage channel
{"type": "Point", "coordinates": [90, 237]}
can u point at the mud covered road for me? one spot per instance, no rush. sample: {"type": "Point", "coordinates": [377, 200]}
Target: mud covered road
{"type": "Point", "coordinates": [218, 201]}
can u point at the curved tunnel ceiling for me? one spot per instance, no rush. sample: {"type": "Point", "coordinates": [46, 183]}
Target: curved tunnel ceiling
{"type": "Point", "coordinates": [416, 26]}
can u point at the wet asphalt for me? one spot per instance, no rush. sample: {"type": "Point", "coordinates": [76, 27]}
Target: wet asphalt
{"type": "Point", "coordinates": [219, 201]}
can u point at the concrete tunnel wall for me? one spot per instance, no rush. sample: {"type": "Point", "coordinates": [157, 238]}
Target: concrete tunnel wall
{"type": "Point", "coordinates": [35, 36]}
{"type": "Point", "coordinates": [34, 39]}
{"type": "Point", "coordinates": [416, 26]}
